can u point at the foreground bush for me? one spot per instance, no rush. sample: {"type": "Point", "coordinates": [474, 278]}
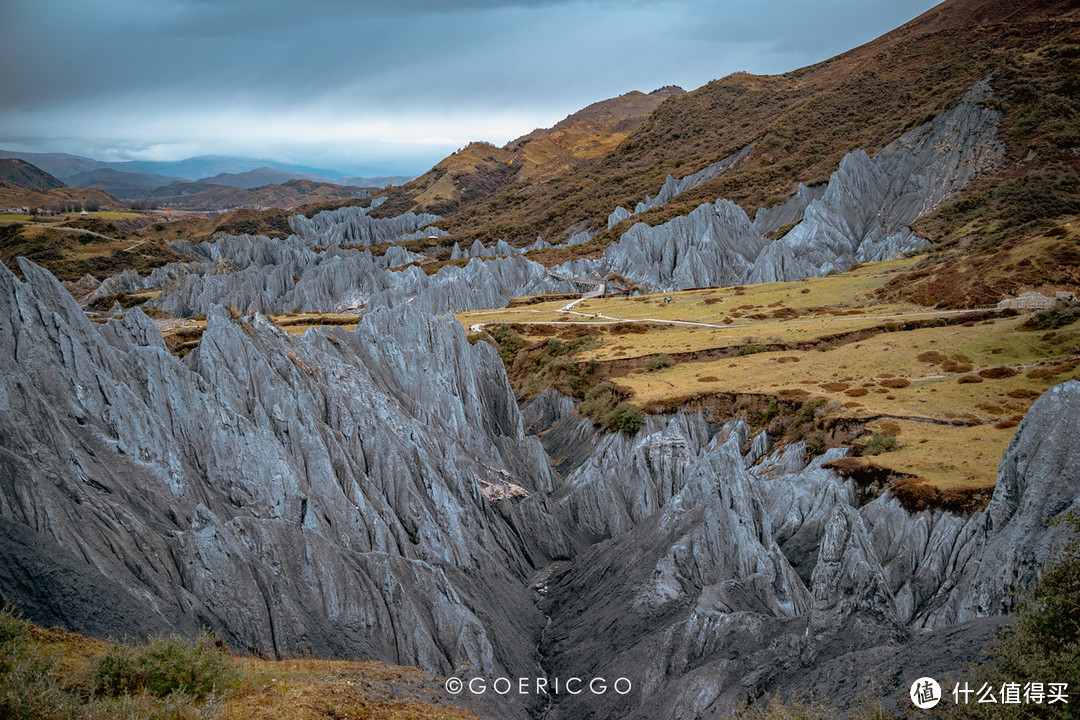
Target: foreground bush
{"type": "Point", "coordinates": [163, 666]}
{"type": "Point", "coordinates": [168, 678]}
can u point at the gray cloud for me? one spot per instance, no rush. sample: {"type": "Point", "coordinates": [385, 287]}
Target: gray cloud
{"type": "Point", "coordinates": [365, 82]}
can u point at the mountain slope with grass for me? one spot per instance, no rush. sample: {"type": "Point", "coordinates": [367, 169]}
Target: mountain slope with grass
{"type": "Point", "coordinates": [801, 123]}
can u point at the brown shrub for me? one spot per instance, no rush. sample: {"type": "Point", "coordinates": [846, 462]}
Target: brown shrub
{"type": "Point", "coordinates": [895, 383]}
{"type": "Point", "coordinates": [996, 373]}
{"type": "Point", "coordinates": [708, 378]}
{"type": "Point", "coordinates": [1006, 424]}
{"type": "Point", "coordinates": [713, 300]}
{"type": "Point", "coordinates": [787, 359]}
{"type": "Point", "coordinates": [931, 356]}
{"type": "Point", "coordinates": [835, 386]}
{"type": "Point", "coordinates": [968, 379]}
{"type": "Point", "coordinates": [857, 392]}
{"type": "Point", "coordinates": [1044, 373]}
{"type": "Point", "coordinates": [1024, 394]}
{"type": "Point", "coordinates": [951, 366]}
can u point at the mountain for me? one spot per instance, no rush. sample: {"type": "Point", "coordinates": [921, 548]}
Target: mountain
{"type": "Point", "coordinates": [65, 165]}
{"type": "Point", "coordinates": [57, 164]}
{"type": "Point", "coordinates": [480, 169]}
{"type": "Point", "coordinates": [289, 194]}
{"type": "Point", "coordinates": [260, 176]}
{"type": "Point", "coordinates": [16, 173]}
{"type": "Point", "coordinates": [379, 181]}
{"type": "Point", "coordinates": [123, 185]}
{"type": "Point", "coordinates": [799, 125]}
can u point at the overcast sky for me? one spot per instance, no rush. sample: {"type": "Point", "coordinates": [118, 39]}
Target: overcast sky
{"type": "Point", "coordinates": [375, 87]}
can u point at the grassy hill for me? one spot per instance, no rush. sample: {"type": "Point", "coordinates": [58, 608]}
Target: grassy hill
{"type": "Point", "coordinates": [800, 123]}
{"type": "Point", "coordinates": [15, 173]}
{"type": "Point", "coordinates": [481, 170]}
{"type": "Point", "coordinates": [200, 196]}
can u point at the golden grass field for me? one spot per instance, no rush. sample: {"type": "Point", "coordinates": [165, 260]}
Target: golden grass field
{"type": "Point", "coordinates": [951, 394]}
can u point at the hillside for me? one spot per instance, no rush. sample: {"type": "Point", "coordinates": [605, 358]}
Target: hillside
{"type": "Point", "coordinates": [20, 174]}
{"type": "Point", "coordinates": [61, 199]}
{"type": "Point", "coordinates": [726, 456]}
{"type": "Point", "coordinates": [52, 673]}
{"type": "Point", "coordinates": [123, 185]}
{"type": "Point", "coordinates": [800, 124]}
{"type": "Point", "coordinates": [481, 170]}
{"type": "Point", "coordinates": [290, 194]}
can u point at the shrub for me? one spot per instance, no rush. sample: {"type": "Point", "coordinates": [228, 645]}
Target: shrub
{"type": "Point", "coordinates": [880, 443]}
{"type": "Point", "coordinates": [967, 379]}
{"type": "Point", "coordinates": [772, 410]}
{"type": "Point", "coordinates": [815, 444]}
{"type": "Point", "coordinates": [996, 373]}
{"type": "Point", "coordinates": [163, 666]}
{"type": "Point", "coordinates": [857, 392]}
{"type": "Point", "coordinates": [895, 383]}
{"type": "Point", "coordinates": [1045, 642]}
{"type": "Point", "coordinates": [623, 417]}
{"type": "Point", "coordinates": [509, 340]}
{"type": "Point", "coordinates": [931, 356]}
{"type": "Point", "coordinates": [658, 362]}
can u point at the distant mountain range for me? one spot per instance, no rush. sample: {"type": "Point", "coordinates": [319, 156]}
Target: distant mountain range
{"type": "Point", "coordinates": [246, 173]}
{"type": "Point", "coordinates": [59, 180]}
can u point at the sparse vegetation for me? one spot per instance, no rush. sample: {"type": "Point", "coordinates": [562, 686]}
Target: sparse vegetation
{"type": "Point", "coordinates": [1062, 314]}
{"type": "Point", "coordinates": [58, 675]}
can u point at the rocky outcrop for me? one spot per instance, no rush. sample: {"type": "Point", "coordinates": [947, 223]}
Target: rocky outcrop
{"type": "Point", "coordinates": [865, 211]}
{"type": "Point", "coordinates": [673, 187]}
{"type": "Point", "coordinates": [714, 245]}
{"type": "Point", "coordinates": [860, 216]}
{"type": "Point", "coordinates": [353, 226]}
{"type": "Point", "coordinates": [286, 491]}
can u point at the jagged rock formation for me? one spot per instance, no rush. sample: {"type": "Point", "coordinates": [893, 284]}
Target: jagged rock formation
{"type": "Point", "coordinates": [861, 215]}
{"type": "Point", "coordinates": [713, 245]}
{"type": "Point", "coordinates": [335, 493]}
{"type": "Point", "coordinates": [673, 187]}
{"type": "Point", "coordinates": [353, 226]}
{"type": "Point", "coordinates": [286, 491]}
{"type": "Point", "coordinates": [813, 586]}
{"type": "Point", "coordinates": [477, 249]}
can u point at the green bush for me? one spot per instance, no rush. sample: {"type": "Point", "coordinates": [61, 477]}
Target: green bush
{"type": "Point", "coordinates": [772, 410]}
{"type": "Point", "coordinates": [163, 666]}
{"type": "Point", "coordinates": [1044, 646]}
{"type": "Point", "coordinates": [880, 443]}
{"type": "Point", "coordinates": [658, 362]}
{"type": "Point", "coordinates": [623, 417]}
